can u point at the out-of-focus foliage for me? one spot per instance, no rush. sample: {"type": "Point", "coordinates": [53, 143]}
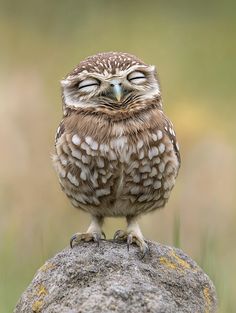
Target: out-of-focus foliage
{"type": "Point", "coordinates": [193, 45]}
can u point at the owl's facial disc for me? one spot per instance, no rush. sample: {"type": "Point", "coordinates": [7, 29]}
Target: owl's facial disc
{"type": "Point", "coordinates": [115, 90]}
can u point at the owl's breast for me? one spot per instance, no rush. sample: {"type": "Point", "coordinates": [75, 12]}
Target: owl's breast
{"type": "Point", "coordinates": [124, 175]}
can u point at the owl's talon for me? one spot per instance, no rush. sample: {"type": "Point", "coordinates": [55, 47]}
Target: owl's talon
{"type": "Point", "coordinates": [130, 238]}
{"type": "Point", "coordinates": [145, 250]}
{"type": "Point", "coordinates": [129, 241]}
{"type": "Point", "coordinates": [96, 238]}
{"type": "Point", "coordinates": [72, 240]}
{"type": "Point", "coordinates": [78, 237]}
{"type": "Point", "coordinates": [104, 235]}
{"type": "Point", "coordinates": [120, 234]}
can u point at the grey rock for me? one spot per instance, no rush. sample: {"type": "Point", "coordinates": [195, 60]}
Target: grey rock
{"type": "Point", "coordinates": [108, 278]}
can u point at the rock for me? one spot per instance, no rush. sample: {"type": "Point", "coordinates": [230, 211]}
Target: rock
{"type": "Point", "coordinates": [108, 278]}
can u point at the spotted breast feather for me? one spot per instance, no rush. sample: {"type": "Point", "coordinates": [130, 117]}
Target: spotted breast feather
{"type": "Point", "coordinates": [112, 170]}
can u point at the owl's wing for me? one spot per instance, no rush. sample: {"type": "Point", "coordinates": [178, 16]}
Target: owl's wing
{"type": "Point", "coordinates": [169, 130]}
{"type": "Point", "coordinates": [60, 131]}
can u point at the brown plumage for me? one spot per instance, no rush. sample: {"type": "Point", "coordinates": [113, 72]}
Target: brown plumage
{"type": "Point", "coordinates": [116, 151]}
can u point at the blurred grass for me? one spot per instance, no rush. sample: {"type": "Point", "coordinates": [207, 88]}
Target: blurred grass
{"type": "Point", "coordinates": [177, 231]}
{"type": "Point", "coordinates": [193, 46]}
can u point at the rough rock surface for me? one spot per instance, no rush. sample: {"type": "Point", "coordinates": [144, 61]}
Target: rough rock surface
{"type": "Point", "coordinates": [110, 279]}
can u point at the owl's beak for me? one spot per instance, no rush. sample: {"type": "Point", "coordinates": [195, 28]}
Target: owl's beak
{"type": "Point", "coordinates": [117, 91]}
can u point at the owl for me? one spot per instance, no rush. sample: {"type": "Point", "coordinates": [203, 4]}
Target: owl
{"type": "Point", "coordinates": [116, 153]}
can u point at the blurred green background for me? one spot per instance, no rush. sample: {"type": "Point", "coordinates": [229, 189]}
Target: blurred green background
{"type": "Point", "coordinates": [193, 45]}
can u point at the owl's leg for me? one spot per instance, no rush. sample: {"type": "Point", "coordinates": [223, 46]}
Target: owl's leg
{"type": "Point", "coordinates": [132, 235]}
{"type": "Point", "coordinates": [94, 232]}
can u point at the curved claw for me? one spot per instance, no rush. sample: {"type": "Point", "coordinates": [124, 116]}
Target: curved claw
{"type": "Point", "coordinates": [145, 250]}
{"type": "Point", "coordinates": [129, 241]}
{"type": "Point", "coordinates": [119, 234]}
{"type": "Point", "coordinates": [96, 238]}
{"type": "Point", "coordinates": [104, 235]}
{"type": "Point", "coordinates": [72, 240]}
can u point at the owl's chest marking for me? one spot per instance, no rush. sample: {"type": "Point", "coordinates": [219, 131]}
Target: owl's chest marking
{"type": "Point", "coordinates": [118, 175]}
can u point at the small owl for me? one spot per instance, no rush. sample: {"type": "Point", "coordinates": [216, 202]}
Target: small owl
{"type": "Point", "coordinates": [116, 152]}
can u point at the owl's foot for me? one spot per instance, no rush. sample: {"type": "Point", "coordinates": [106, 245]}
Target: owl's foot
{"type": "Point", "coordinates": [94, 233]}
{"type": "Point", "coordinates": [133, 235]}
{"type": "Point", "coordinates": [94, 236]}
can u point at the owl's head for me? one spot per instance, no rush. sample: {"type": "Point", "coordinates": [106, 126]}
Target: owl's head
{"type": "Point", "coordinates": [113, 81]}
